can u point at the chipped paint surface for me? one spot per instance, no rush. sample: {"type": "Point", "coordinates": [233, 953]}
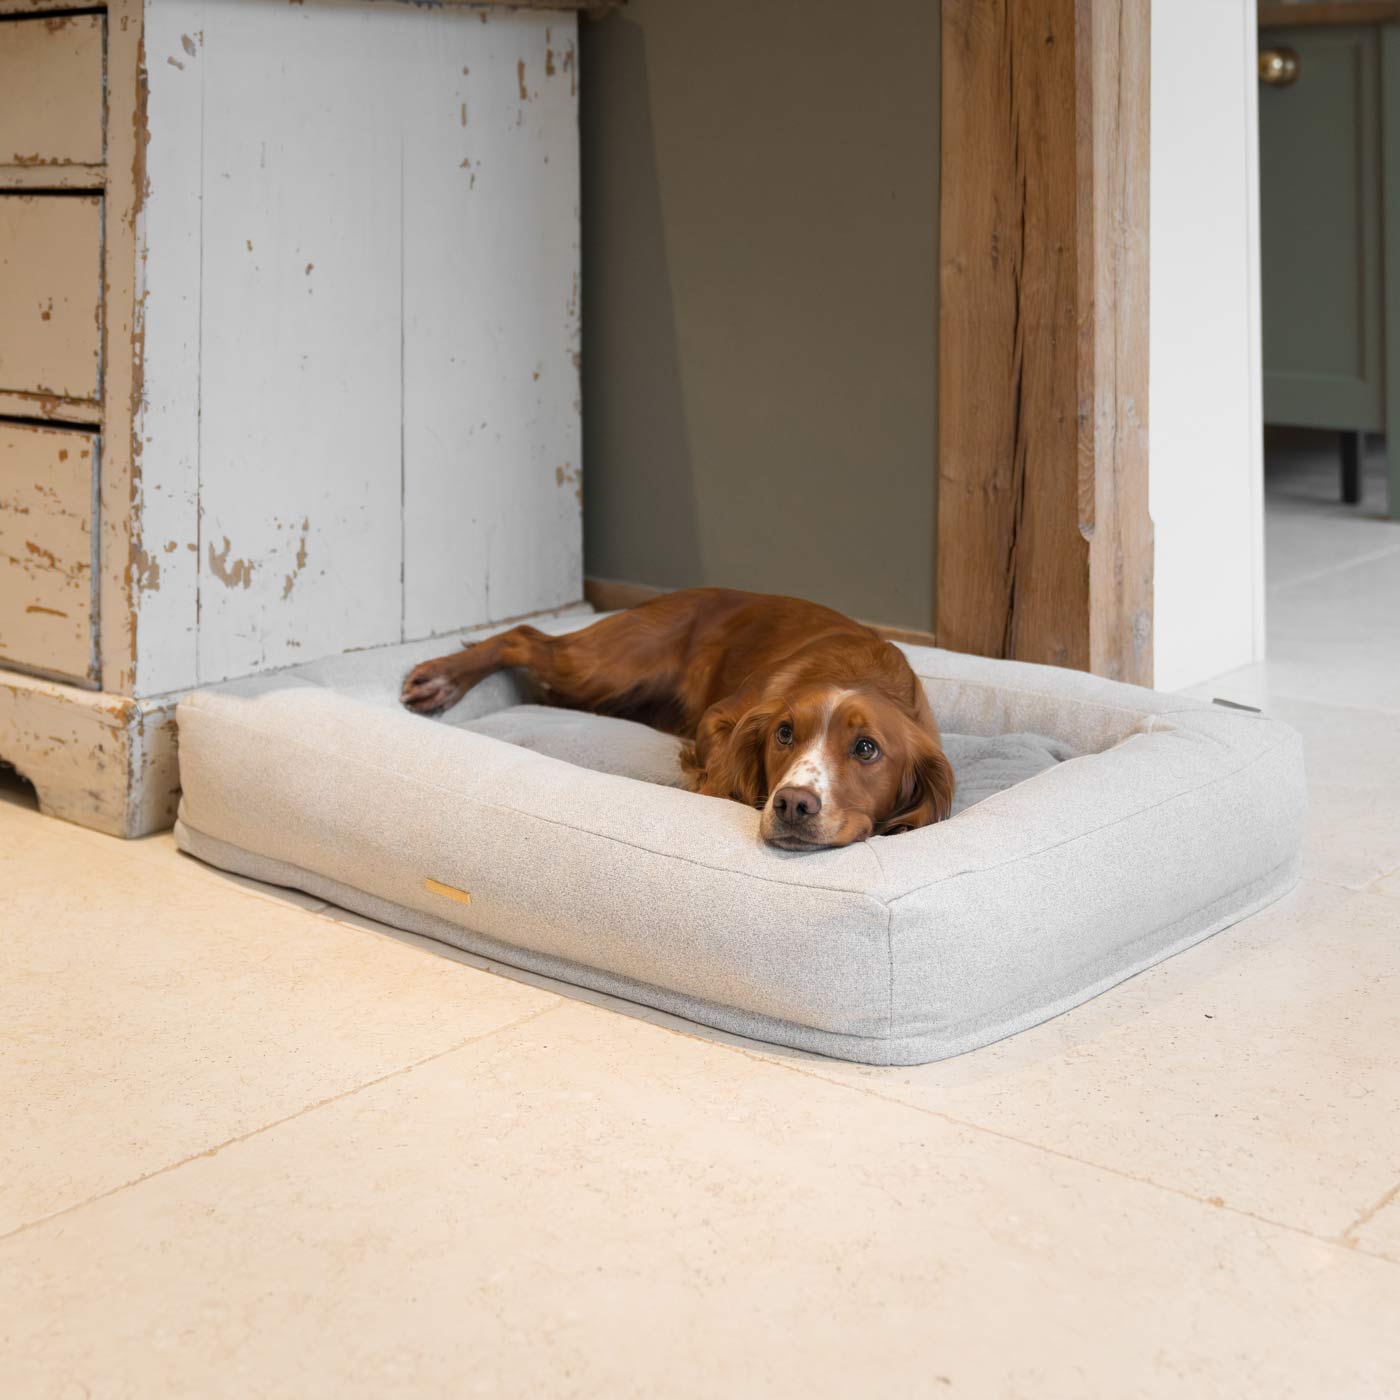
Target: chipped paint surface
{"type": "Point", "coordinates": [50, 294]}
{"type": "Point", "coordinates": [292, 577]}
{"type": "Point", "coordinates": [46, 550]}
{"type": "Point", "coordinates": [51, 92]}
{"type": "Point", "coordinates": [104, 762]}
{"type": "Point", "coordinates": [238, 574]}
{"type": "Point", "coordinates": [121, 339]}
{"type": "Point", "coordinates": [489, 397]}
{"type": "Point", "coordinates": [163, 393]}
{"type": "Point", "coordinates": [333, 485]}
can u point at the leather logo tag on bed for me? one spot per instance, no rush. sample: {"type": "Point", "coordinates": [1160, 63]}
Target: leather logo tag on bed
{"type": "Point", "coordinates": [447, 891]}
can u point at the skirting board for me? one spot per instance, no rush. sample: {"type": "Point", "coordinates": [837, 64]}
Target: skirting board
{"type": "Point", "coordinates": [607, 595]}
{"type": "Point", "coordinates": [103, 761]}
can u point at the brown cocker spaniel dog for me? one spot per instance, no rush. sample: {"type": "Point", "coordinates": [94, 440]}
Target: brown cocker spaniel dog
{"type": "Point", "coordinates": [788, 707]}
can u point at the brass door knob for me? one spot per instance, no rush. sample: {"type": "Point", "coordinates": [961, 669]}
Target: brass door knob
{"type": "Point", "coordinates": [1278, 67]}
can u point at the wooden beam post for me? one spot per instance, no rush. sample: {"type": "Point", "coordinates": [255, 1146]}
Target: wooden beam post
{"type": "Point", "coordinates": [1044, 538]}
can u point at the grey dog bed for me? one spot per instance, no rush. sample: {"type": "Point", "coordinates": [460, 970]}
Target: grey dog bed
{"type": "Point", "coordinates": [1099, 829]}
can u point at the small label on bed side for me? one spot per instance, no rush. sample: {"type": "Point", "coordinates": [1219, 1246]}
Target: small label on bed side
{"type": "Point", "coordinates": [447, 891]}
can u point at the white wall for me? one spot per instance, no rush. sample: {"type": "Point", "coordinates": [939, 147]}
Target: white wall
{"type": "Point", "coordinates": [359, 277]}
{"type": "Point", "coordinates": [1205, 430]}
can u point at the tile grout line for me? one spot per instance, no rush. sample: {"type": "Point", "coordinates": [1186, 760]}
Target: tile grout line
{"type": "Point", "coordinates": [1215, 1203]}
{"type": "Point", "coordinates": [271, 895]}
{"type": "Point", "coordinates": [1370, 557]}
{"type": "Point", "coordinates": [1368, 1215]}
{"type": "Point", "coordinates": [1372, 887]}
{"type": "Point", "coordinates": [280, 1122]}
{"type": "Point", "coordinates": [186, 868]}
{"type": "Point", "coordinates": [1375, 886]}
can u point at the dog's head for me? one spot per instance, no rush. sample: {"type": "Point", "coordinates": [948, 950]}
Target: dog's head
{"type": "Point", "coordinates": [829, 765]}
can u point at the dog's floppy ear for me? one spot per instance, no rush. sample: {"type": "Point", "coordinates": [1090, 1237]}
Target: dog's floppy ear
{"type": "Point", "coordinates": [925, 790]}
{"type": "Point", "coordinates": [726, 759]}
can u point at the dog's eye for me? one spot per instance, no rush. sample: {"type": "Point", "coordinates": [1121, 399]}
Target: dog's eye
{"type": "Point", "coordinates": [866, 749]}
{"type": "Point", "coordinates": [785, 734]}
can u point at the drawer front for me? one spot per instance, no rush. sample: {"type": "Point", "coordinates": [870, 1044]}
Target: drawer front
{"type": "Point", "coordinates": [51, 90]}
{"type": "Point", "coordinates": [51, 294]}
{"type": "Point", "coordinates": [48, 480]}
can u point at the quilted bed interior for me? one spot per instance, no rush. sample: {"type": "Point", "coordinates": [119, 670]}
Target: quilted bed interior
{"type": "Point", "coordinates": [983, 766]}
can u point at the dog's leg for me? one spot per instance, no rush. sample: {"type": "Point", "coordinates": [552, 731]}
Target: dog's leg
{"type": "Point", "coordinates": [619, 665]}
{"type": "Point", "coordinates": [439, 684]}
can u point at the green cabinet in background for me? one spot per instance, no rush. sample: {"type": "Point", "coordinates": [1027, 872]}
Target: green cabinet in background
{"type": "Point", "coordinates": [1329, 177]}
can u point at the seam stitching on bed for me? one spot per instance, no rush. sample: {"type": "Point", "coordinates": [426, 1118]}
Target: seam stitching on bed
{"type": "Point", "coordinates": [1093, 831]}
{"type": "Point", "coordinates": [886, 1043]}
{"type": "Point", "coordinates": [550, 821]}
{"type": "Point", "coordinates": [873, 1042]}
{"type": "Point", "coordinates": [1259, 883]}
{"type": "Point", "coordinates": [1052, 696]}
{"type": "Point", "coordinates": [889, 943]}
{"type": "Point", "coordinates": [886, 900]}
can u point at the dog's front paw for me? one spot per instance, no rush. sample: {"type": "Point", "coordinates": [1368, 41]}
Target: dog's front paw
{"type": "Point", "coordinates": [430, 687]}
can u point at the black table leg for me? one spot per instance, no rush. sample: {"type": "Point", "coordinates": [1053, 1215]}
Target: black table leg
{"type": "Point", "coordinates": [1351, 467]}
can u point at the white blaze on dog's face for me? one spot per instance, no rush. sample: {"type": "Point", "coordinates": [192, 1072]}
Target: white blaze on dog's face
{"type": "Point", "coordinates": [840, 765]}
{"type": "Point", "coordinates": [811, 767]}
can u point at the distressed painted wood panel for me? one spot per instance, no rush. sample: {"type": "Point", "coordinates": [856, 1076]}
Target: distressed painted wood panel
{"type": "Point", "coordinates": [51, 294]}
{"type": "Point", "coordinates": [122, 480]}
{"type": "Point", "coordinates": [47, 482]}
{"type": "Point", "coordinates": [51, 90]}
{"type": "Point", "coordinates": [165, 555]}
{"type": "Point", "coordinates": [104, 761]}
{"type": "Point", "coordinates": [300, 345]}
{"type": "Point", "coordinates": [357, 267]}
{"type": "Point", "coordinates": [492, 455]}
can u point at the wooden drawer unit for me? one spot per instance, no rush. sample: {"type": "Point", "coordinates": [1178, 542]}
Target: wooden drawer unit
{"type": "Point", "coordinates": [234, 434]}
{"type": "Point", "coordinates": [47, 550]}
{"type": "Point", "coordinates": [51, 90]}
{"type": "Point", "coordinates": [51, 294]}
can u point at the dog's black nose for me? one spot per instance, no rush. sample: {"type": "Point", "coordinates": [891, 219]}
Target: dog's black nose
{"type": "Point", "coordinates": [796, 805]}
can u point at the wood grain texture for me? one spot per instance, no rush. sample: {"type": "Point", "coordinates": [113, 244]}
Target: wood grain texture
{"type": "Point", "coordinates": [50, 407]}
{"type": "Point", "coordinates": [51, 91]}
{"type": "Point", "coordinates": [51, 294]}
{"type": "Point", "coordinates": [1013, 566]}
{"type": "Point", "coordinates": [1114, 81]}
{"type": "Point", "coordinates": [1043, 334]}
{"type": "Point", "coordinates": [47, 481]}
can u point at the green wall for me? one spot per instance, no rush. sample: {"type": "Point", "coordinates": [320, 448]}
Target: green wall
{"type": "Point", "coordinates": [760, 226]}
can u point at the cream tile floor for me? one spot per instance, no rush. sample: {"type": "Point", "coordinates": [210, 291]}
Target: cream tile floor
{"type": "Point", "coordinates": [251, 1146]}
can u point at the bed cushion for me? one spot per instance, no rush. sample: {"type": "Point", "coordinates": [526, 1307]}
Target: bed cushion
{"type": "Point", "coordinates": [984, 766]}
{"type": "Point", "coordinates": [1150, 822]}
